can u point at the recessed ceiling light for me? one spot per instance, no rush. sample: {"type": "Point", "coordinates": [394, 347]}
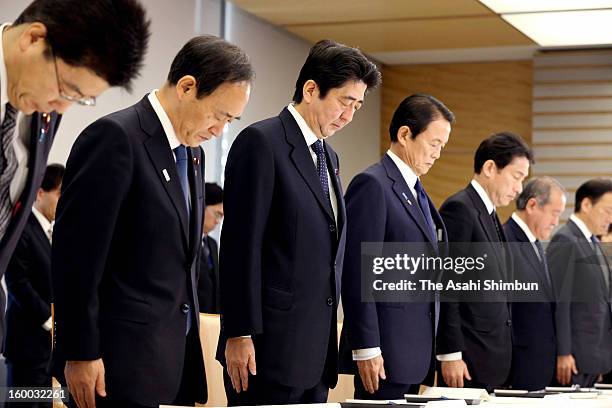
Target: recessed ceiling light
{"type": "Point", "coordinates": [528, 6]}
{"type": "Point", "coordinates": [566, 28]}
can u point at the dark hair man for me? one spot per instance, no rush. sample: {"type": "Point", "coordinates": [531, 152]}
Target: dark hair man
{"type": "Point", "coordinates": [283, 238]}
{"type": "Point", "coordinates": [55, 54]}
{"type": "Point", "coordinates": [474, 337]}
{"type": "Point", "coordinates": [208, 283]}
{"type": "Point", "coordinates": [129, 231]}
{"type": "Point", "coordinates": [583, 280]}
{"type": "Point", "coordinates": [27, 346]}
{"type": "Point", "coordinates": [393, 348]}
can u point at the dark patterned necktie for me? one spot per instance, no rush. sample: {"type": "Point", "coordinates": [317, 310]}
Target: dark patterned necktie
{"type": "Point", "coordinates": [543, 260]}
{"type": "Point", "coordinates": [317, 147]}
{"type": "Point", "coordinates": [424, 204]}
{"type": "Point", "coordinates": [9, 167]}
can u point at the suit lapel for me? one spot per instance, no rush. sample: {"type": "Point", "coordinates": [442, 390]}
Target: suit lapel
{"type": "Point", "coordinates": [487, 224]}
{"type": "Point", "coordinates": [528, 251]}
{"type": "Point", "coordinates": [592, 254]}
{"type": "Point", "coordinates": [300, 155]}
{"type": "Point", "coordinates": [159, 152]}
{"type": "Point", "coordinates": [403, 193]}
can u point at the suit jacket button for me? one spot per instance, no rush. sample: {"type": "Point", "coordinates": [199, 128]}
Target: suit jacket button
{"type": "Point", "coordinates": [509, 323]}
{"type": "Point", "coordinates": [332, 228]}
{"type": "Point", "coordinates": [185, 308]}
{"type": "Point", "coordinates": [330, 301]}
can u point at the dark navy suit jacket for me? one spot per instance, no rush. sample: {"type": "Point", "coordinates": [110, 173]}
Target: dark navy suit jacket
{"type": "Point", "coordinates": [381, 208]}
{"type": "Point", "coordinates": [534, 351]}
{"type": "Point", "coordinates": [124, 257]}
{"type": "Point", "coordinates": [281, 254]}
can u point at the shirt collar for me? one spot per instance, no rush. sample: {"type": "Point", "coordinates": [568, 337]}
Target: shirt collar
{"type": "Point", "coordinates": [582, 226]}
{"type": "Point", "coordinates": [3, 79]}
{"type": "Point", "coordinates": [524, 227]}
{"type": "Point", "coordinates": [309, 135]}
{"type": "Point", "coordinates": [483, 196]}
{"type": "Point", "coordinates": [164, 119]}
{"type": "Point", "coordinates": [43, 221]}
{"type": "Point", "coordinates": [405, 170]}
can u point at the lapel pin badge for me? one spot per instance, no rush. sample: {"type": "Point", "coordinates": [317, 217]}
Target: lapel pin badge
{"type": "Point", "coordinates": [196, 161]}
{"type": "Point", "coordinates": [337, 171]}
{"type": "Point", "coordinates": [166, 175]}
{"type": "Point", "coordinates": [406, 198]}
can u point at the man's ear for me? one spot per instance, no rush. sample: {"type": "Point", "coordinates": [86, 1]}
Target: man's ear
{"type": "Point", "coordinates": [186, 87]}
{"type": "Point", "coordinates": [310, 90]}
{"type": "Point", "coordinates": [34, 34]}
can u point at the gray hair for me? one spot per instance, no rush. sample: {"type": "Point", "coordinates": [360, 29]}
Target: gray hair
{"type": "Point", "coordinates": [538, 188]}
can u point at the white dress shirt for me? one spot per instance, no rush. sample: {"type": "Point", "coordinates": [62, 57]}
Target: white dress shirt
{"type": "Point", "coordinates": [525, 228]}
{"type": "Point", "coordinates": [165, 121]}
{"type": "Point", "coordinates": [310, 138]}
{"type": "Point", "coordinates": [47, 227]}
{"type": "Point", "coordinates": [490, 208]}
{"type": "Point", "coordinates": [410, 178]}
{"type": "Point", "coordinates": [582, 227]}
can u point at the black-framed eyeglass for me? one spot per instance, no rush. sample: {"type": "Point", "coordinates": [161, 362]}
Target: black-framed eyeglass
{"type": "Point", "coordinates": [81, 100]}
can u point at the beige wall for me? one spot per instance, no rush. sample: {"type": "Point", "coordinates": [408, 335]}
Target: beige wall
{"type": "Point", "coordinates": [485, 97]}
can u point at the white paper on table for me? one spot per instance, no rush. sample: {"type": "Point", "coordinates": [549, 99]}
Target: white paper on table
{"type": "Point", "coordinates": [460, 393]}
{"type": "Point", "coordinates": [458, 403]}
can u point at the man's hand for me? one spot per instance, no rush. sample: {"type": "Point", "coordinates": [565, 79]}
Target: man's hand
{"type": "Point", "coordinates": [369, 371]}
{"type": "Point", "coordinates": [240, 361]}
{"type": "Point", "coordinates": [566, 366]}
{"type": "Point", "coordinates": [454, 372]}
{"type": "Point", "coordinates": [85, 379]}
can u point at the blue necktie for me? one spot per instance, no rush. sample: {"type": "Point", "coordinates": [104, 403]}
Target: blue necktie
{"type": "Point", "coordinates": [317, 147]}
{"type": "Point", "coordinates": [424, 204]}
{"type": "Point", "coordinates": [181, 167]}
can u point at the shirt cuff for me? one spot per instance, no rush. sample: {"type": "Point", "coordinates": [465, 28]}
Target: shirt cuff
{"type": "Point", "coordinates": [450, 356]}
{"type": "Point", "coordinates": [366, 354]}
{"type": "Point", "coordinates": [47, 325]}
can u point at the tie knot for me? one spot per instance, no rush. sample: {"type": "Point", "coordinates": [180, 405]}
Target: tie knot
{"type": "Point", "coordinates": [317, 147]}
{"type": "Point", "coordinates": [181, 153]}
{"type": "Point", "coordinates": [418, 187]}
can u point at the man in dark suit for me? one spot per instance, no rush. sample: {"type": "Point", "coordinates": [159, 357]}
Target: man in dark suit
{"type": "Point", "coordinates": [582, 278]}
{"type": "Point", "coordinates": [27, 345]}
{"type": "Point", "coordinates": [129, 230]}
{"type": "Point", "coordinates": [282, 241]}
{"type": "Point", "coordinates": [55, 54]}
{"type": "Point", "coordinates": [474, 337]}
{"type": "Point", "coordinates": [209, 293]}
{"type": "Point", "coordinates": [534, 353]}
{"type": "Point", "coordinates": [385, 340]}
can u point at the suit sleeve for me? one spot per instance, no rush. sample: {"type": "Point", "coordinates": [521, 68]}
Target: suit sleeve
{"type": "Point", "coordinates": [19, 282]}
{"type": "Point", "coordinates": [561, 261]}
{"type": "Point", "coordinates": [458, 222]}
{"type": "Point", "coordinates": [366, 219]}
{"type": "Point", "coordinates": [249, 186]}
{"type": "Point", "coordinates": [97, 179]}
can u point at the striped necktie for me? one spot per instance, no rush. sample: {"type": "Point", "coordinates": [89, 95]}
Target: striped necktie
{"type": "Point", "coordinates": [8, 167]}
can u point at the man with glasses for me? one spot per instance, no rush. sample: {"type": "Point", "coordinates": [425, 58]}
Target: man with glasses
{"type": "Point", "coordinates": [55, 54]}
